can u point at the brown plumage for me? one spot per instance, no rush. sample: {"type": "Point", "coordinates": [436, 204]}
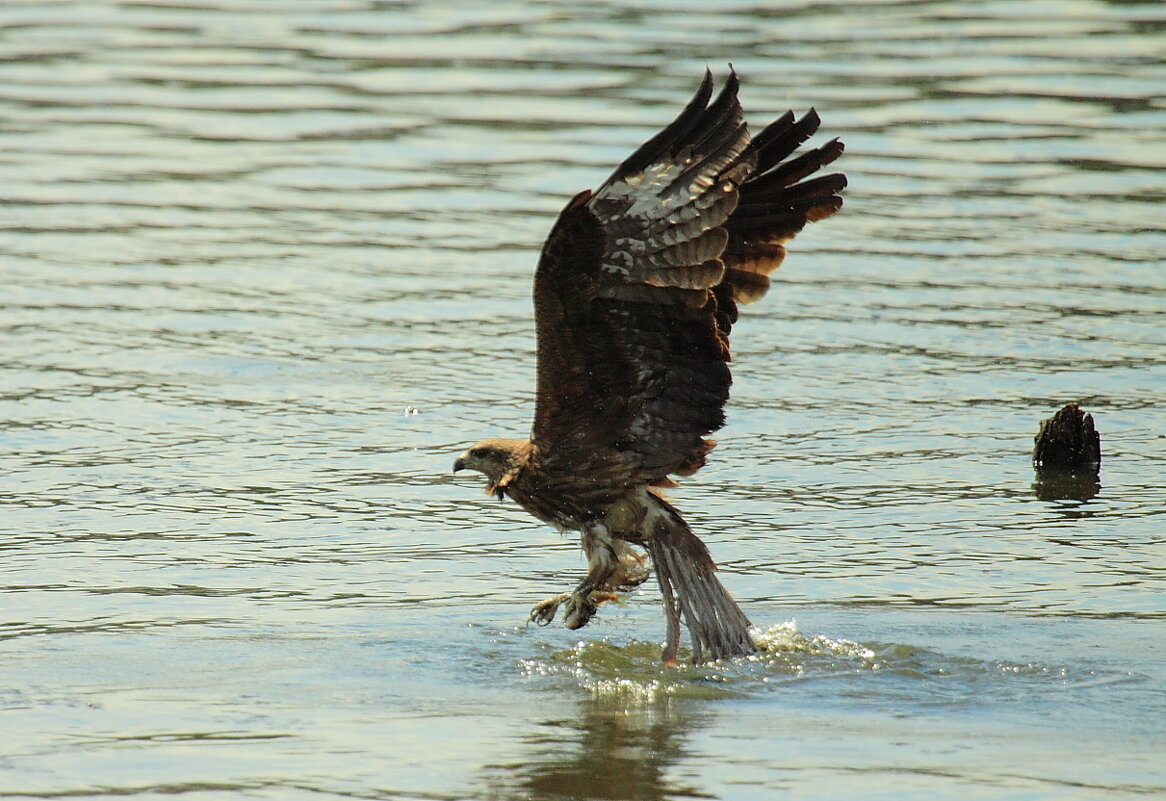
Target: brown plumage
{"type": "Point", "coordinates": [635, 295]}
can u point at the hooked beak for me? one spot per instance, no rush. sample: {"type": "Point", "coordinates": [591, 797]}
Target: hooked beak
{"type": "Point", "coordinates": [460, 464]}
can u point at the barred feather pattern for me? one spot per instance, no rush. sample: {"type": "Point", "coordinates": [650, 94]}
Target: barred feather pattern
{"type": "Point", "coordinates": [776, 203]}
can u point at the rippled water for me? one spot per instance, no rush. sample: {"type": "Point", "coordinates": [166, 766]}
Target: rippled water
{"type": "Point", "coordinates": [266, 270]}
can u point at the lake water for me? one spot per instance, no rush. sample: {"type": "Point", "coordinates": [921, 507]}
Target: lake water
{"type": "Point", "coordinates": [266, 271]}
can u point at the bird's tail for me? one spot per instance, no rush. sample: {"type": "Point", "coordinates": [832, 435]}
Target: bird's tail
{"type": "Point", "coordinates": [689, 584]}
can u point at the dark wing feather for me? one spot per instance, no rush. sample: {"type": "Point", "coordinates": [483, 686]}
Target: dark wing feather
{"type": "Point", "coordinates": [638, 284]}
{"type": "Point", "coordinates": [776, 203]}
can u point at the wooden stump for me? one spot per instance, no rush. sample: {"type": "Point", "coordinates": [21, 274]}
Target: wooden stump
{"type": "Point", "coordinates": [1067, 440]}
{"type": "Point", "coordinates": [1067, 456]}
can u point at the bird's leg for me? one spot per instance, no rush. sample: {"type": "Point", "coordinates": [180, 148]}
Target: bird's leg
{"type": "Point", "coordinates": [631, 569]}
{"type": "Point", "coordinates": [602, 563]}
{"type": "Point", "coordinates": [612, 565]}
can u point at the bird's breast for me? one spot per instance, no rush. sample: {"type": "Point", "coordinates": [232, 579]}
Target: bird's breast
{"type": "Point", "coordinates": [625, 515]}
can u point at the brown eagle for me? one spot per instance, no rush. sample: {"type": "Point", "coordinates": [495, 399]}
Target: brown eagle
{"type": "Point", "coordinates": [634, 296]}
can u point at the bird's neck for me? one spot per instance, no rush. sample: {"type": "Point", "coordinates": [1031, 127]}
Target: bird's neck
{"type": "Point", "coordinates": [521, 451]}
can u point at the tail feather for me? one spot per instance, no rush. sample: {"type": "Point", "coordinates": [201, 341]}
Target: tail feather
{"type": "Point", "coordinates": [690, 589]}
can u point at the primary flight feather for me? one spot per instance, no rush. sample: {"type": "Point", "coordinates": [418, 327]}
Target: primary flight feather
{"type": "Point", "coordinates": [635, 295]}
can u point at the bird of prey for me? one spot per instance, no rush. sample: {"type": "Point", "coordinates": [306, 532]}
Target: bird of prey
{"type": "Point", "coordinates": [635, 295]}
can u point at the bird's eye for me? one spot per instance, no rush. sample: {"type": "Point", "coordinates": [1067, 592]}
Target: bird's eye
{"type": "Point", "coordinates": [479, 453]}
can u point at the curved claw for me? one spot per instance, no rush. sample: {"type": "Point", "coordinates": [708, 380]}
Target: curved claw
{"type": "Point", "coordinates": [543, 613]}
{"type": "Point", "coordinates": [578, 608]}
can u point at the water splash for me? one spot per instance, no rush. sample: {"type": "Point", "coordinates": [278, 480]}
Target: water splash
{"type": "Point", "coordinates": [634, 671]}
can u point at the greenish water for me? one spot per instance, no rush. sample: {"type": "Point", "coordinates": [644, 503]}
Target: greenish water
{"type": "Point", "coordinates": [266, 270]}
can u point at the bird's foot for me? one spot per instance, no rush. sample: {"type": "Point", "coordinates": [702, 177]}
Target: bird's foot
{"type": "Point", "coordinates": [580, 607]}
{"type": "Point", "coordinates": [543, 612]}
{"type": "Point", "coordinates": [578, 610]}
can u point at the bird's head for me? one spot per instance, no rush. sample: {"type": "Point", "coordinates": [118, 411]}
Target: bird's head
{"type": "Point", "coordinates": [497, 459]}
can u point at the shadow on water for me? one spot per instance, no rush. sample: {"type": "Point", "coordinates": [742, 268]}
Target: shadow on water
{"type": "Point", "coordinates": [1082, 484]}
{"type": "Point", "coordinates": [637, 716]}
{"type": "Point", "coordinates": [637, 719]}
{"type": "Point", "coordinates": [607, 750]}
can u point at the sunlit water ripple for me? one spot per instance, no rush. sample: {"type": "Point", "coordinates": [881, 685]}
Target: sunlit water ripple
{"type": "Point", "coordinates": [266, 271]}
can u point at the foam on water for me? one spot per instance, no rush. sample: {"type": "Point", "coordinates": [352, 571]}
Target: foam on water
{"type": "Point", "coordinates": [633, 671]}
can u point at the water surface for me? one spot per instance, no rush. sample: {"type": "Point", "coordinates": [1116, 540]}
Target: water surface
{"type": "Point", "coordinates": [266, 271]}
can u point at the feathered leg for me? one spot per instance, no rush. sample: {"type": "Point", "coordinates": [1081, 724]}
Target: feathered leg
{"type": "Point", "coordinates": [690, 588]}
{"type": "Point", "coordinates": [612, 565]}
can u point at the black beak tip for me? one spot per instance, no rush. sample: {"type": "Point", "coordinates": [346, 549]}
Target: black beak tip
{"type": "Point", "coordinates": [460, 464]}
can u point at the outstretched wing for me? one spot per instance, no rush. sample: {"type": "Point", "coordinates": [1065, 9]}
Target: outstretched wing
{"type": "Point", "coordinates": [639, 282]}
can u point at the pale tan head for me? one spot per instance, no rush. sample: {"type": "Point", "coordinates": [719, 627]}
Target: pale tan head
{"type": "Point", "coordinates": [497, 459]}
